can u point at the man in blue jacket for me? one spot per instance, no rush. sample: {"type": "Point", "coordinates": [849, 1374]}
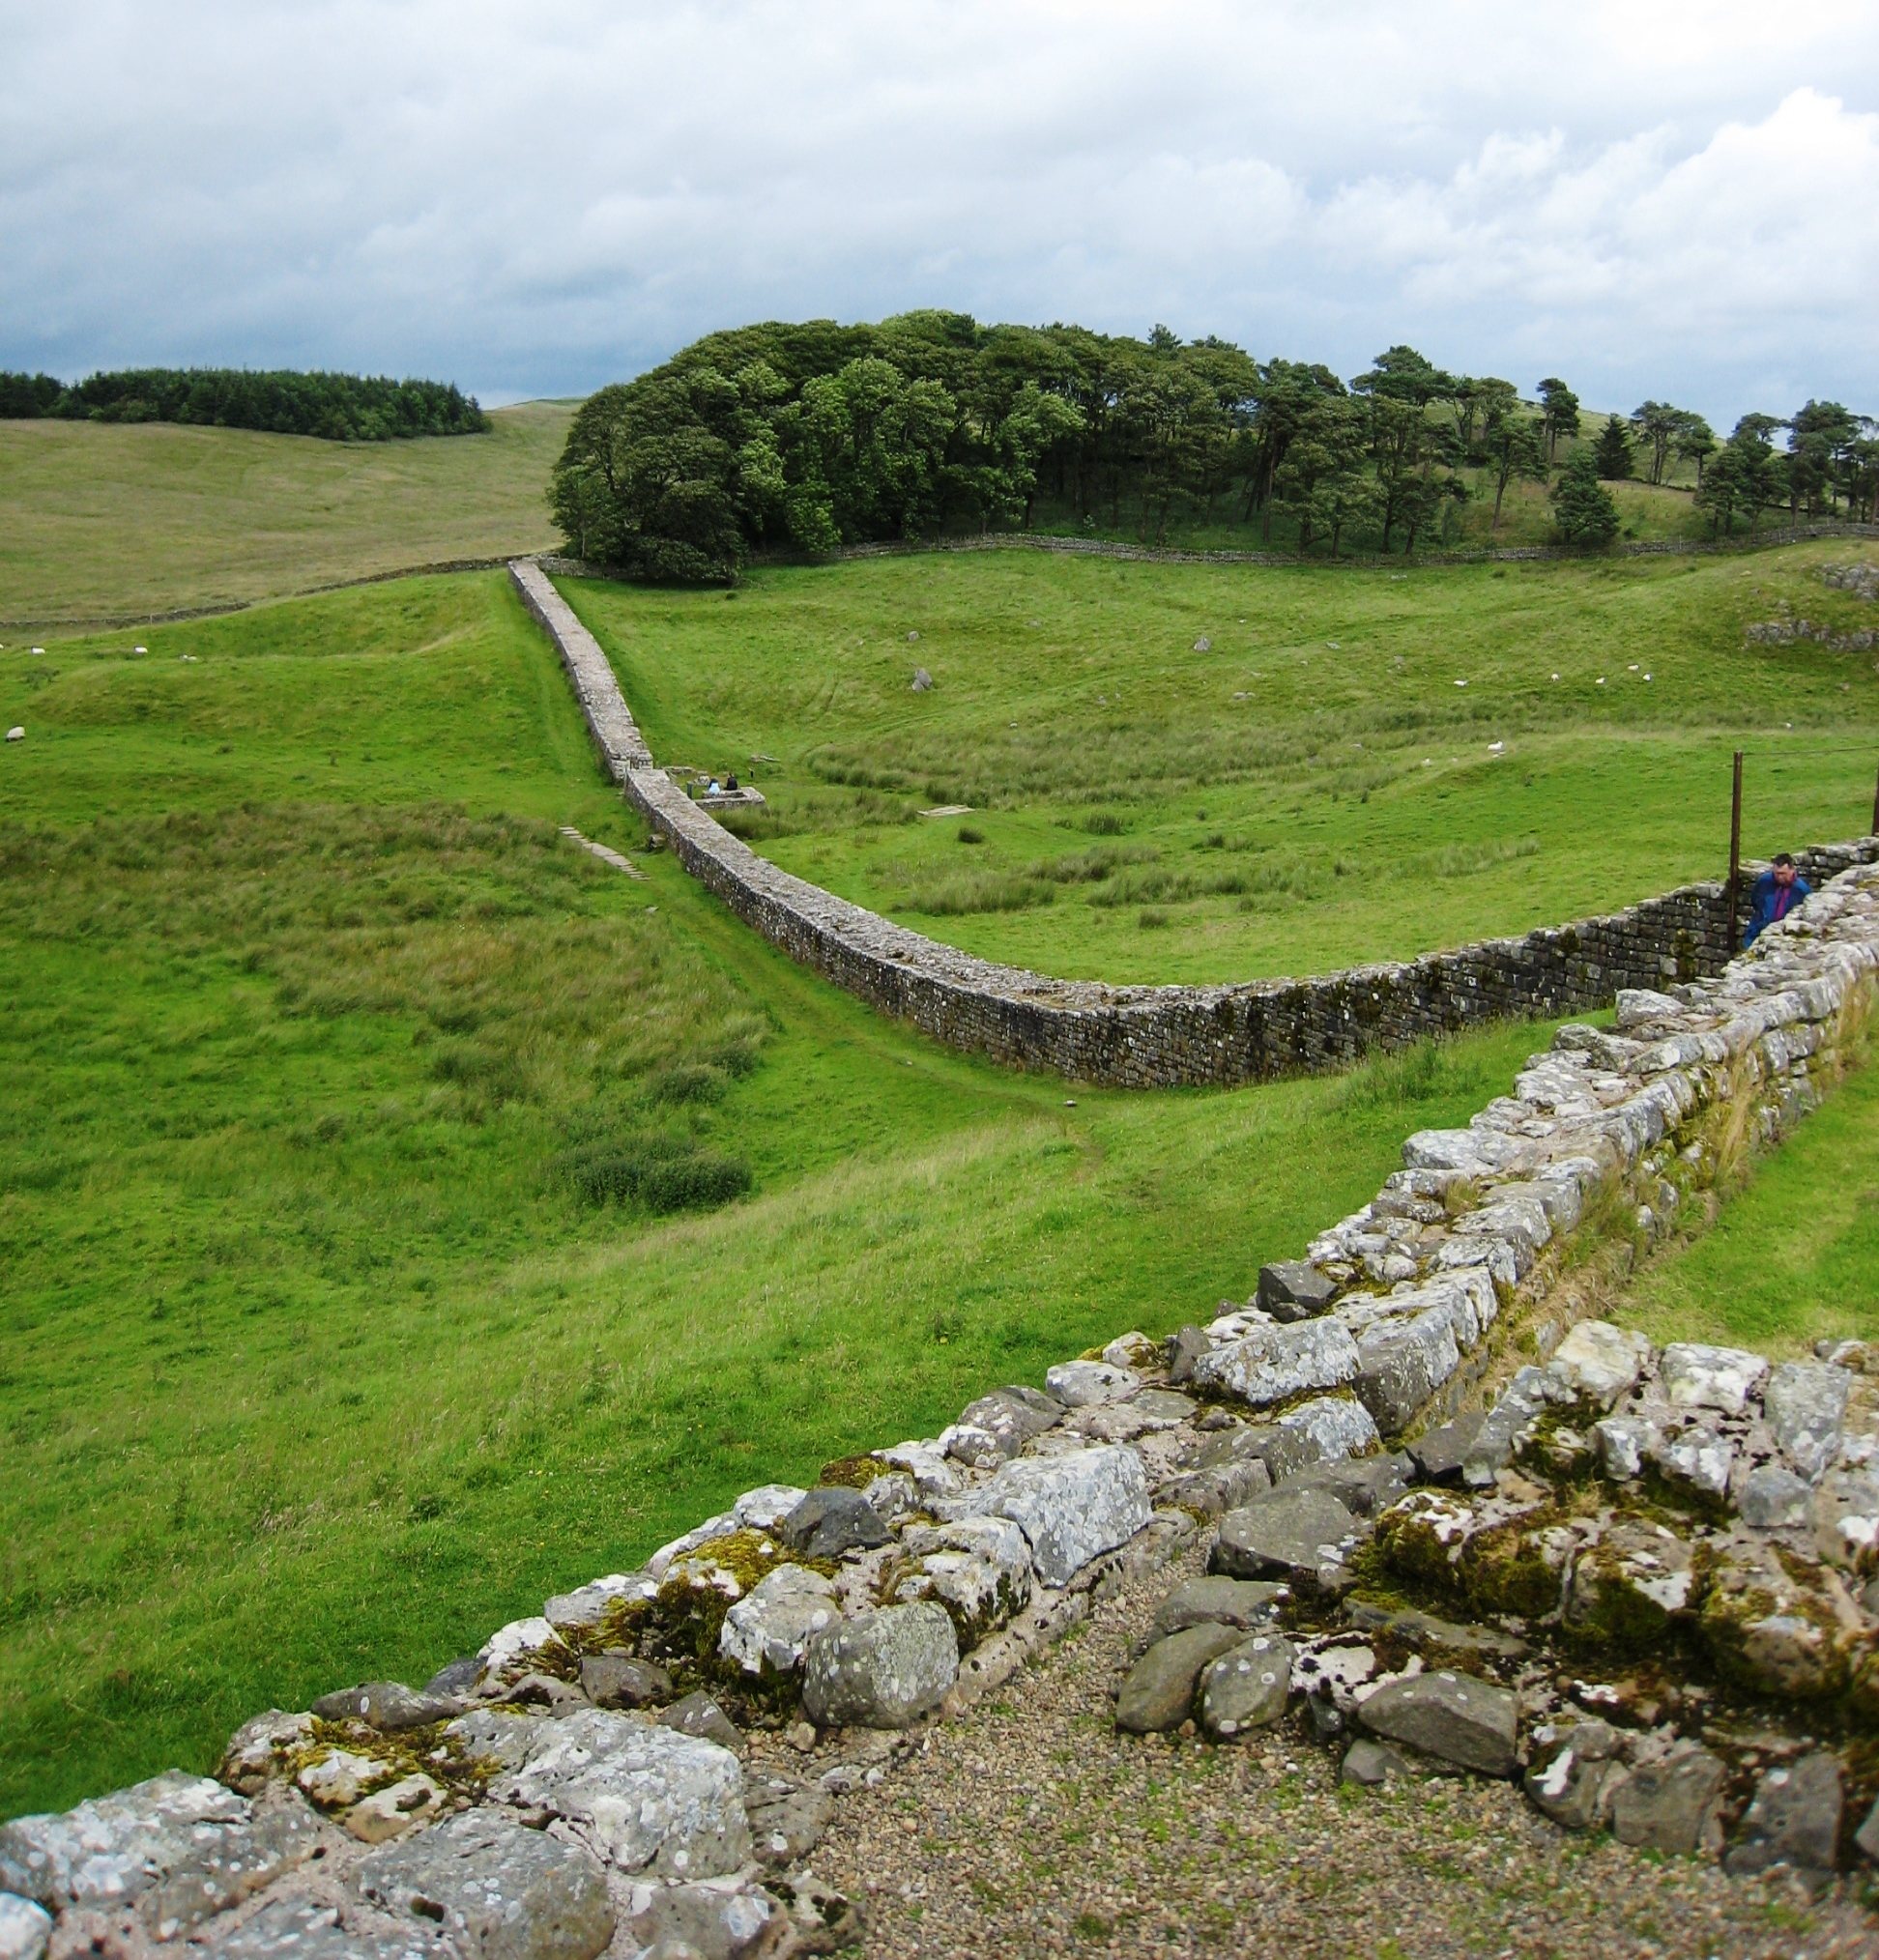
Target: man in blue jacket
{"type": "Point", "coordinates": [1777, 891]}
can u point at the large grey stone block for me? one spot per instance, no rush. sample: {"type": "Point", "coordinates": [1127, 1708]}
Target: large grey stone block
{"type": "Point", "coordinates": [1073, 1507]}
{"type": "Point", "coordinates": [1273, 1364]}
{"type": "Point", "coordinates": [880, 1670]}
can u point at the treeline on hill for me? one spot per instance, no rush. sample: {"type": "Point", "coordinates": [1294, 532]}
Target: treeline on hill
{"type": "Point", "coordinates": [341, 408]}
{"type": "Point", "coordinates": [804, 437]}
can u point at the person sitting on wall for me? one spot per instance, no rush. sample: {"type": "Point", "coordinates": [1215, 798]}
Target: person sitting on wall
{"type": "Point", "coordinates": [731, 781]}
{"type": "Point", "coordinates": [1777, 891]}
{"type": "Point", "coordinates": [713, 788]}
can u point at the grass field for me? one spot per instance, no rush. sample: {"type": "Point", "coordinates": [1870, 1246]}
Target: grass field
{"type": "Point", "coordinates": [106, 521]}
{"type": "Point", "coordinates": [1794, 1256]}
{"type": "Point", "coordinates": [314, 1363]}
{"type": "Point", "coordinates": [1319, 783]}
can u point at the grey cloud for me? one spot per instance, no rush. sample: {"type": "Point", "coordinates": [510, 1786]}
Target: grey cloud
{"type": "Point", "coordinates": [532, 200]}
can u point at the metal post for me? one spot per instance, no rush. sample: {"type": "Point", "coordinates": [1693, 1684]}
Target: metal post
{"type": "Point", "coordinates": [1735, 850]}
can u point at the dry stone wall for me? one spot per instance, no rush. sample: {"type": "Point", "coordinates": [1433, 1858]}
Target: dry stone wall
{"type": "Point", "coordinates": [1640, 1582]}
{"type": "Point", "coordinates": [1140, 1037]}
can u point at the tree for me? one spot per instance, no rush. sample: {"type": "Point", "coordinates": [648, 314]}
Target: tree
{"type": "Point", "coordinates": [1514, 448]}
{"type": "Point", "coordinates": [1657, 423]}
{"type": "Point", "coordinates": [1612, 451]}
{"type": "Point", "coordinates": [1582, 506]}
{"type": "Point", "coordinates": [1696, 443]}
{"type": "Point", "coordinates": [1323, 465]}
{"type": "Point", "coordinates": [1559, 413]}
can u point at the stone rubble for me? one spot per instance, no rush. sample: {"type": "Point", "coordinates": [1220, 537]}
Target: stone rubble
{"type": "Point", "coordinates": [1643, 1584]}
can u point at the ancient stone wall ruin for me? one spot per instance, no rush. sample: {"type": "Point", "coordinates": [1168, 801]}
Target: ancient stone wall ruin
{"type": "Point", "coordinates": [1142, 1037]}
{"type": "Point", "coordinates": [648, 1762]}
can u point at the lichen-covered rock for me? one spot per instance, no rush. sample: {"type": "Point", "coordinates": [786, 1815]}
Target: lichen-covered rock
{"type": "Point", "coordinates": [24, 1928]}
{"type": "Point", "coordinates": [769, 1628]}
{"type": "Point", "coordinates": [1245, 1603]}
{"type": "Point", "coordinates": [498, 1890]}
{"type": "Point", "coordinates": [1569, 1770]}
{"type": "Point", "coordinates": [1767, 1631]}
{"type": "Point", "coordinates": [698, 1714]}
{"type": "Point", "coordinates": [706, 1923]}
{"type": "Point", "coordinates": [388, 1706]}
{"type": "Point", "coordinates": [1325, 1429]}
{"type": "Point", "coordinates": [338, 1778]}
{"type": "Point", "coordinates": [1273, 1364]}
{"type": "Point", "coordinates": [1598, 1363]}
{"type": "Point", "coordinates": [1247, 1687]}
{"type": "Point", "coordinates": [1458, 1718]}
{"type": "Point", "coordinates": [1805, 1403]}
{"type": "Point", "coordinates": [1696, 1457]}
{"type": "Point", "coordinates": [585, 1612]}
{"type": "Point", "coordinates": [1401, 1362]}
{"type": "Point", "coordinates": [1421, 1537]}
{"type": "Point", "coordinates": [1011, 1417]}
{"type": "Point", "coordinates": [637, 1794]}
{"type": "Point", "coordinates": [1302, 1535]}
{"type": "Point", "coordinates": [523, 1646]}
{"type": "Point", "coordinates": [1627, 1587]}
{"type": "Point", "coordinates": [1623, 1443]}
{"type": "Point", "coordinates": [1793, 1819]}
{"type": "Point", "coordinates": [1071, 1507]}
{"type": "Point", "coordinates": [611, 1680]}
{"type": "Point", "coordinates": [259, 1749]}
{"type": "Point", "coordinates": [178, 1848]}
{"type": "Point", "coordinates": [394, 1810]}
{"type": "Point", "coordinates": [1294, 1289]}
{"type": "Point", "coordinates": [787, 1820]}
{"type": "Point", "coordinates": [1697, 1375]}
{"type": "Point", "coordinates": [1088, 1384]}
{"type": "Point", "coordinates": [307, 1929]}
{"type": "Point", "coordinates": [1672, 1805]}
{"type": "Point", "coordinates": [1773, 1498]}
{"type": "Point", "coordinates": [1158, 1690]}
{"type": "Point", "coordinates": [880, 1670]}
{"type": "Point", "coordinates": [978, 1568]}
{"type": "Point", "coordinates": [831, 1520]}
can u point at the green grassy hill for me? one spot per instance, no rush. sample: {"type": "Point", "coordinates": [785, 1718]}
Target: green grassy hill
{"type": "Point", "coordinates": [315, 1366]}
{"type": "Point", "coordinates": [105, 521]}
{"type": "Point", "coordinates": [1213, 773]}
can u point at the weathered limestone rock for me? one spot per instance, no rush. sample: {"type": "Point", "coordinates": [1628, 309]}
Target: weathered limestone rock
{"type": "Point", "coordinates": [1772, 1497]}
{"type": "Point", "coordinates": [637, 1794]}
{"type": "Point", "coordinates": [1294, 1289]}
{"type": "Point", "coordinates": [1696, 1375]}
{"type": "Point", "coordinates": [24, 1928]}
{"type": "Point", "coordinates": [1458, 1718]}
{"type": "Point", "coordinates": [584, 1611]}
{"type": "Point", "coordinates": [179, 1848]}
{"type": "Point", "coordinates": [1697, 1456]}
{"type": "Point", "coordinates": [257, 1751]}
{"type": "Point", "coordinates": [399, 1807]}
{"type": "Point", "coordinates": [1247, 1687]}
{"type": "Point", "coordinates": [1400, 1362]}
{"type": "Point", "coordinates": [1088, 1384]}
{"type": "Point", "coordinates": [1370, 1765]}
{"type": "Point", "coordinates": [1625, 1589]}
{"type": "Point", "coordinates": [1011, 1417]}
{"type": "Point", "coordinates": [769, 1628]}
{"type": "Point", "coordinates": [1072, 1507]}
{"type": "Point", "coordinates": [706, 1923]}
{"type": "Point", "coordinates": [498, 1890]}
{"type": "Point", "coordinates": [1673, 1806]}
{"type": "Point", "coordinates": [1806, 1406]}
{"type": "Point", "coordinates": [882, 1670]}
{"type": "Point", "coordinates": [1597, 1362]}
{"type": "Point", "coordinates": [1569, 1769]}
{"type": "Point", "coordinates": [832, 1520]}
{"type": "Point", "coordinates": [1439, 1452]}
{"type": "Point", "coordinates": [787, 1820]}
{"type": "Point", "coordinates": [978, 1568]}
{"type": "Point", "coordinates": [1244, 1603]}
{"type": "Point", "coordinates": [1322, 1430]}
{"type": "Point", "coordinates": [1272, 1364]}
{"type": "Point", "coordinates": [1793, 1819]}
{"type": "Point", "coordinates": [388, 1706]}
{"type": "Point", "coordinates": [1623, 1443]}
{"type": "Point", "coordinates": [1365, 1486]}
{"type": "Point", "coordinates": [619, 1681]}
{"type": "Point", "coordinates": [341, 1776]}
{"type": "Point", "coordinates": [304, 1929]}
{"type": "Point", "coordinates": [768, 1506]}
{"type": "Point", "coordinates": [1642, 1008]}
{"type": "Point", "coordinates": [1766, 1630]}
{"type": "Point", "coordinates": [1159, 1689]}
{"type": "Point", "coordinates": [698, 1714]}
{"type": "Point", "coordinates": [1301, 1535]}
{"type": "Point", "coordinates": [1429, 1634]}
{"type": "Point", "coordinates": [522, 1647]}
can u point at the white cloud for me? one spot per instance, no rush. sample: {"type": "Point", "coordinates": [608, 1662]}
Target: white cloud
{"type": "Point", "coordinates": [1672, 198]}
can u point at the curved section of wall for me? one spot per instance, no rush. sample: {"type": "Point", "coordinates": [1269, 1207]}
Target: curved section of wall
{"type": "Point", "coordinates": [1143, 1037]}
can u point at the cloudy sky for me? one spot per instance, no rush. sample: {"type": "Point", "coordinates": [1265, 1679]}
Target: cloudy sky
{"type": "Point", "coordinates": [1658, 197]}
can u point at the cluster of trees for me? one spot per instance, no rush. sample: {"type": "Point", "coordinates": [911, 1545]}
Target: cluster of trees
{"type": "Point", "coordinates": [808, 437]}
{"type": "Point", "coordinates": [345, 408]}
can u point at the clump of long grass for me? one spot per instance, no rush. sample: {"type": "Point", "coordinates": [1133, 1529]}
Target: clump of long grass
{"type": "Point", "coordinates": [956, 893]}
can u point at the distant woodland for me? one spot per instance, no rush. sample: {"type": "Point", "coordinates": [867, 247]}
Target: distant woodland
{"type": "Point", "coordinates": [340, 408]}
{"type": "Point", "coordinates": [803, 437]}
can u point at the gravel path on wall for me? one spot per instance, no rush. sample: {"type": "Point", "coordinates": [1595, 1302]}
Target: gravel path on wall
{"type": "Point", "coordinates": [1031, 1826]}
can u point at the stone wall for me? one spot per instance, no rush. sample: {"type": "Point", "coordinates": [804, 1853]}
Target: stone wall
{"type": "Point", "coordinates": [579, 1787]}
{"type": "Point", "coordinates": [1142, 1037]}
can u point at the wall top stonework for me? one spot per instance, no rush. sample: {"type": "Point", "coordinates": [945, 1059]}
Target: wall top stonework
{"type": "Point", "coordinates": [1145, 1036]}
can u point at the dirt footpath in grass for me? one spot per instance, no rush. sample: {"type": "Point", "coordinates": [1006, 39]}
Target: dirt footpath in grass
{"type": "Point", "coordinates": [1031, 1826]}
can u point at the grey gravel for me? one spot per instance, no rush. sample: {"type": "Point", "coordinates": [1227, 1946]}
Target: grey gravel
{"type": "Point", "coordinates": [1028, 1826]}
